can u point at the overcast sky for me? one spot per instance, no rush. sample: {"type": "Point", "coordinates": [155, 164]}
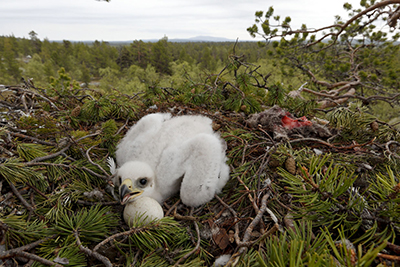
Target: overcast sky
{"type": "Point", "coordinates": [123, 20]}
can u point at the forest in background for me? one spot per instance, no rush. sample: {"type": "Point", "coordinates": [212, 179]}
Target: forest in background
{"type": "Point", "coordinates": [142, 66]}
{"type": "Point", "coordinates": [127, 68]}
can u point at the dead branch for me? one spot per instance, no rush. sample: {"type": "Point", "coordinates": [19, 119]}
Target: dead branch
{"type": "Point", "coordinates": [256, 220]}
{"type": "Point", "coordinates": [332, 103]}
{"type": "Point", "coordinates": [93, 163]}
{"type": "Point", "coordinates": [88, 203]}
{"type": "Point", "coordinates": [196, 248]}
{"type": "Point", "coordinates": [51, 156]}
{"type": "Point", "coordinates": [115, 236]}
{"type": "Point", "coordinates": [387, 146]}
{"type": "Point", "coordinates": [92, 253]}
{"type": "Point", "coordinates": [34, 139]}
{"type": "Point", "coordinates": [12, 252]}
{"type": "Point", "coordinates": [21, 198]}
{"type": "Point", "coordinates": [354, 145]}
{"type": "Point", "coordinates": [21, 252]}
{"type": "Point", "coordinates": [35, 257]}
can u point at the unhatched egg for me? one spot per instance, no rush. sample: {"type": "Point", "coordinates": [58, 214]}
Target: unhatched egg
{"type": "Point", "coordinates": [148, 208]}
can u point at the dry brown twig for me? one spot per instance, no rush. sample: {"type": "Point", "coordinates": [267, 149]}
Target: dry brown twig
{"type": "Point", "coordinates": [37, 140]}
{"type": "Point", "coordinates": [331, 145]}
{"type": "Point", "coordinates": [197, 247]}
{"type": "Point", "coordinates": [51, 156]}
{"type": "Point", "coordinates": [21, 198]}
{"type": "Point", "coordinates": [115, 236]}
{"type": "Point", "coordinates": [387, 146]}
{"type": "Point", "coordinates": [93, 163]}
{"type": "Point", "coordinates": [92, 253]}
{"type": "Point", "coordinates": [21, 251]}
{"type": "Point", "coordinates": [245, 243]}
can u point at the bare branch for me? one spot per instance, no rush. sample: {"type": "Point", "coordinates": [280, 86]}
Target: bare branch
{"type": "Point", "coordinates": [92, 253]}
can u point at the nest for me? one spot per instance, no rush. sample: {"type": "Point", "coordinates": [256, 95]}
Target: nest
{"type": "Point", "coordinates": [53, 141]}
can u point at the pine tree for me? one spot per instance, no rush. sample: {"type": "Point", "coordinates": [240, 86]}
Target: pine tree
{"type": "Point", "coordinates": [160, 56]}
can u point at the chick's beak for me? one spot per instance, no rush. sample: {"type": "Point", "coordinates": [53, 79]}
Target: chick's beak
{"type": "Point", "coordinates": [128, 192]}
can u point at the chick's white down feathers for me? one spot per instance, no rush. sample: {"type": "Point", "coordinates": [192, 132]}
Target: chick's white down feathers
{"type": "Point", "coordinates": [161, 155]}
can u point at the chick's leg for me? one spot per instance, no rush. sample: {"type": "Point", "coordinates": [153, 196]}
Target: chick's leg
{"type": "Point", "coordinates": [202, 168]}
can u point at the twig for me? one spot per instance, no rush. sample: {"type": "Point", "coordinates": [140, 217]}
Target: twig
{"type": "Point", "coordinates": [30, 163]}
{"type": "Point", "coordinates": [236, 234]}
{"type": "Point", "coordinates": [92, 253]}
{"type": "Point", "coordinates": [387, 146]}
{"type": "Point", "coordinates": [184, 218]}
{"type": "Point", "coordinates": [12, 252]}
{"type": "Point", "coordinates": [331, 145]}
{"type": "Point", "coordinates": [243, 245]}
{"type": "Point", "coordinates": [5, 151]}
{"type": "Point", "coordinates": [195, 249]}
{"type": "Point", "coordinates": [20, 197]}
{"type": "Point", "coordinates": [51, 155]}
{"type": "Point", "coordinates": [38, 191]}
{"type": "Point", "coordinates": [34, 257]}
{"type": "Point", "coordinates": [269, 137]}
{"type": "Point", "coordinates": [39, 95]}
{"type": "Point", "coordinates": [389, 257]}
{"type": "Point", "coordinates": [21, 251]}
{"type": "Point", "coordinates": [23, 99]}
{"type": "Point", "coordinates": [172, 208]}
{"type": "Point", "coordinates": [136, 258]}
{"type": "Point", "coordinates": [256, 220]}
{"type": "Point", "coordinates": [122, 127]}
{"type": "Point", "coordinates": [235, 257]}
{"type": "Point", "coordinates": [393, 247]}
{"type": "Point", "coordinates": [252, 200]}
{"type": "Point", "coordinates": [109, 203]}
{"type": "Point", "coordinates": [93, 163]}
{"type": "Point", "coordinates": [87, 136]}
{"type": "Point", "coordinates": [264, 235]}
{"type": "Point", "coordinates": [32, 139]}
{"type": "Point", "coordinates": [113, 237]}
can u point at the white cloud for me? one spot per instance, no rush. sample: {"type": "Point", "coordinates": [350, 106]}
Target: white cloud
{"type": "Point", "coordinates": [152, 19]}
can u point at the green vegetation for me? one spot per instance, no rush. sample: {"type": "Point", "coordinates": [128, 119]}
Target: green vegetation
{"type": "Point", "coordinates": [323, 195]}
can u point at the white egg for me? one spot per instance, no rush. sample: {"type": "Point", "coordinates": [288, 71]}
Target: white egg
{"type": "Point", "coordinates": [146, 207]}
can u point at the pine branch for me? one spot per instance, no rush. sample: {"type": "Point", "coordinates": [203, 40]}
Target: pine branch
{"type": "Point", "coordinates": [106, 178]}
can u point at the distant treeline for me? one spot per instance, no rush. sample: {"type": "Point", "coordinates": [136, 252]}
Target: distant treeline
{"type": "Point", "coordinates": [85, 62]}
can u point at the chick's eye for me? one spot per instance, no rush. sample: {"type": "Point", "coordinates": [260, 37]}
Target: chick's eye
{"type": "Point", "coordinates": [143, 181]}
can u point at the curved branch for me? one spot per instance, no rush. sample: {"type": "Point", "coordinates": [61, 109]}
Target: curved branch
{"type": "Point", "coordinates": [194, 250]}
{"type": "Point", "coordinates": [393, 17]}
{"type": "Point", "coordinates": [92, 253]}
